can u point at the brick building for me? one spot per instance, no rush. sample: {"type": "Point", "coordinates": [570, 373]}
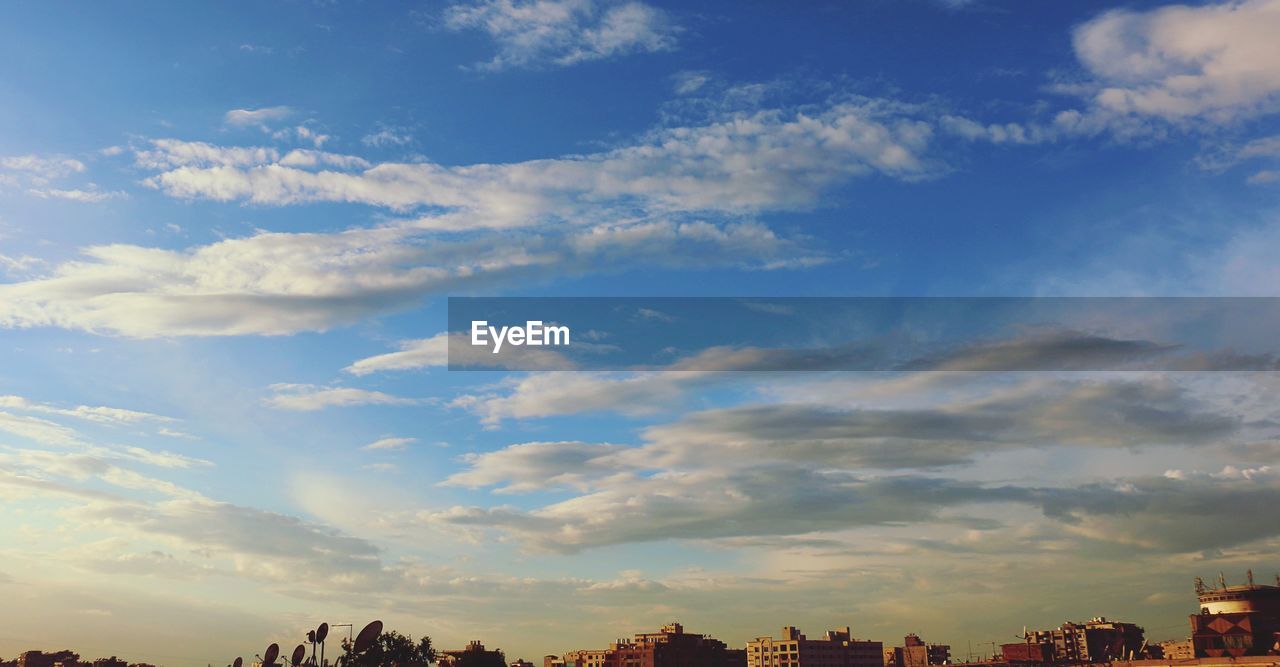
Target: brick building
{"type": "Point", "coordinates": [914, 652]}
{"type": "Point", "coordinates": [837, 648]}
{"type": "Point", "coordinates": [669, 647]}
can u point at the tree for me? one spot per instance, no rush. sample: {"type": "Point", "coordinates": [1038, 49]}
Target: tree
{"type": "Point", "coordinates": [391, 650]}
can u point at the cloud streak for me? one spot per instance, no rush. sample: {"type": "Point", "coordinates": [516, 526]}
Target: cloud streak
{"type": "Point", "coordinates": [535, 33]}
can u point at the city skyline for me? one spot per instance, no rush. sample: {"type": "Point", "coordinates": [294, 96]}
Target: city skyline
{"type": "Point", "coordinates": [1116, 640]}
{"type": "Point", "coordinates": [228, 233]}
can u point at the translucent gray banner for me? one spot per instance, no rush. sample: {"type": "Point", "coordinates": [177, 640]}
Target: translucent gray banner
{"type": "Point", "coordinates": [864, 334]}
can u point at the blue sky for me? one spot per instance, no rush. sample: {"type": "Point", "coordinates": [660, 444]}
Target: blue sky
{"type": "Point", "coordinates": [227, 233]}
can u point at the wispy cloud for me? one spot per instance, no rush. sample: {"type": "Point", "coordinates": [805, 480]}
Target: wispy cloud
{"type": "Point", "coordinates": [389, 444]}
{"type": "Point", "coordinates": [91, 195]}
{"type": "Point", "coordinates": [765, 160]}
{"type": "Point", "coordinates": [309, 398]}
{"type": "Point", "coordinates": [42, 166]}
{"type": "Point", "coordinates": [261, 117]}
{"type": "Point", "coordinates": [563, 32]}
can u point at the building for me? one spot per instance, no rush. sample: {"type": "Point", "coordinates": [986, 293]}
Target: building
{"type": "Point", "coordinates": [914, 652]}
{"type": "Point", "coordinates": [1236, 620]}
{"type": "Point", "coordinates": [671, 646]}
{"type": "Point", "coordinates": [1094, 641]}
{"type": "Point", "coordinates": [1177, 649]}
{"type": "Point", "coordinates": [522, 663]}
{"type": "Point", "coordinates": [1027, 653]}
{"type": "Point", "coordinates": [837, 648]}
{"type": "Point", "coordinates": [474, 655]}
{"type": "Point", "coordinates": [62, 658]}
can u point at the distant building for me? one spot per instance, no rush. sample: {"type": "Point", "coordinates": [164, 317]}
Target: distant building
{"type": "Point", "coordinates": [522, 663]}
{"type": "Point", "coordinates": [1236, 620]}
{"type": "Point", "coordinates": [1177, 649]}
{"type": "Point", "coordinates": [837, 648]}
{"type": "Point", "coordinates": [110, 662]}
{"type": "Point", "coordinates": [474, 654]}
{"type": "Point", "coordinates": [1096, 640]}
{"type": "Point", "coordinates": [671, 646]}
{"type": "Point", "coordinates": [1027, 653]}
{"type": "Point", "coordinates": [62, 658]}
{"type": "Point", "coordinates": [914, 652]}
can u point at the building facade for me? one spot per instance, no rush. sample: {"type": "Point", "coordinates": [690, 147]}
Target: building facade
{"type": "Point", "coordinates": [1236, 620]}
{"type": "Point", "coordinates": [1177, 649]}
{"type": "Point", "coordinates": [837, 648]}
{"type": "Point", "coordinates": [1094, 641]}
{"type": "Point", "coordinates": [914, 652]}
{"type": "Point", "coordinates": [669, 647]}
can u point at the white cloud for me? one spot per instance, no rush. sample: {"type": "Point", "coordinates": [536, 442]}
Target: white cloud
{"type": "Point", "coordinates": [38, 430]}
{"type": "Point", "coordinates": [42, 167]}
{"type": "Point", "coordinates": [549, 394]}
{"type": "Point", "coordinates": [309, 398]}
{"type": "Point", "coordinates": [641, 204]}
{"type": "Point", "coordinates": [256, 117]}
{"type": "Point", "coordinates": [389, 444]}
{"type": "Point", "coordinates": [435, 352]}
{"type": "Point", "coordinates": [387, 137]}
{"type": "Point", "coordinates": [422, 353]}
{"type": "Point", "coordinates": [766, 160]}
{"type": "Point", "coordinates": [1218, 62]}
{"type": "Point", "coordinates": [276, 283]}
{"type": "Point", "coordinates": [170, 153]}
{"type": "Point", "coordinates": [803, 468]}
{"type": "Point", "coordinates": [1264, 177]}
{"type": "Point", "coordinates": [711, 503]}
{"type": "Point", "coordinates": [563, 32]}
{"type": "Point", "coordinates": [101, 414]}
{"type": "Point", "coordinates": [301, 133]}
{"type": "Point", "coordinates": [536, 466]}
{"type": "Point", "coordinates": [689, 82]}
{"type": "Point", "coordinates": [91, 195]}
{"type": "Point", "coordinates": [19, 264]}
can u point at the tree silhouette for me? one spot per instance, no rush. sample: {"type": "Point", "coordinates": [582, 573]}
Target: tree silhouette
{"type": "Point", "coordinates": [392, 649]}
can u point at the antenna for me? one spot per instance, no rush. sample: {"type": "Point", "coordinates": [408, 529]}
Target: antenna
{"type": "Point", "coordinates": [368, 636]}
{"type": "Point", "coordinates": [1249, 575]}
{"type": "Point", "coordinates": [269, 656]}
{"type": "Point", "coordinates": [321, 633]}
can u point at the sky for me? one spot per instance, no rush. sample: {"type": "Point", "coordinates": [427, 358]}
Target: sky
{"type": "Point", "coordinates": [228, 232]}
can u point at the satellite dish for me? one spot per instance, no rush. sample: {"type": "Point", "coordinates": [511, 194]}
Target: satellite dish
{"type": "Point", "coordinates": [269, 657]}
{"type": "Point", "coordinates": [298, 654]}
{"type": "Point", "coordinates": [322, 632]}
{"type": "Point", "coordinates": [239, 662]}
{"type": "Point", "coordinates": [368, 636]}
{"type": "Point", "coordinates": [311, 636]}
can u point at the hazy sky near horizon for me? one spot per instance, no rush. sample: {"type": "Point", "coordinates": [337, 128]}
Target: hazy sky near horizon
{"type": "Point", "coordinates": [227, 232]}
